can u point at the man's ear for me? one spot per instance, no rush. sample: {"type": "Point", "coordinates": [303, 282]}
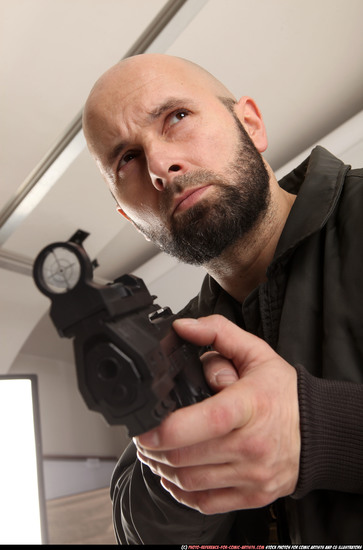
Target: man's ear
{"type": "Point", "coordinates": [120, 211]}
{"type": "Point", "coordinates": [251, 118]}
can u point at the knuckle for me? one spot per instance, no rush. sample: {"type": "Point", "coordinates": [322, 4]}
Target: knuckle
{"type": "Point", "coordinates": [194, 479]}
{"type": "Point", "coordinates": [174, 458]}
{"type": "Point", "coordinates": [184, 480]}
{"type": "Point", "coordinates": [220, 419]}
{"type": "Point", "coordinates": [255, 447]}
{"type": "Point", "coordinates": [265, 483]}
{"type": "Point", "coordinates": [260, 477]}
{"type": "Point", "coordinates": [205, 504]}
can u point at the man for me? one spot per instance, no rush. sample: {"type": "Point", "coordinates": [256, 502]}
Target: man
{"type": "Point", "coordinates": [281, 439]}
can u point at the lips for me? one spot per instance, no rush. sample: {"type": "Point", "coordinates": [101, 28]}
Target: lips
{"type": "Point", "coordinates": [189, 198]}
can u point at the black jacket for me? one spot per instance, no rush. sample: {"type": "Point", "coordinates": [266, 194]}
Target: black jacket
{"type": "Point", "coordinates": [310, 310]}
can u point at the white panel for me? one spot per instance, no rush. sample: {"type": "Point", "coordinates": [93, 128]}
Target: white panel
{"type": "Point", "coordinates": [20, 508]}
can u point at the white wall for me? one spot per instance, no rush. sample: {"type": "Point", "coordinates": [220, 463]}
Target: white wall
{"type": "Point", "coordinates": [22, 306]}
{"type": "Point", "coordinates": [70, 477]}
{"type": "Point", "coordinates": [174, 283]}
{"type": "Point", "coordinates": [346, 142]}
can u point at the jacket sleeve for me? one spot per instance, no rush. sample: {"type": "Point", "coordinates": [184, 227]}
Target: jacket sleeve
{"type": "Point", "coordinates": [144, 513]}
{"type": "Point", "coordinates": [331, 425]}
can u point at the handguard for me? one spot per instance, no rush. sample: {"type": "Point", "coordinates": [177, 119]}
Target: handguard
{"type": "Point", "coordinates": [131, 365]}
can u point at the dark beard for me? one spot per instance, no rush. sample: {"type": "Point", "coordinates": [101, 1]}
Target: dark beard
{"type": "Point", "coordinates": [204, 231]}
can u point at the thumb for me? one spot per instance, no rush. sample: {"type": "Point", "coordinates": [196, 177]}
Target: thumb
{"type": "Point", "coordinates": [219, 372]}
{"type": "Point", "coordinates": [241, 348]}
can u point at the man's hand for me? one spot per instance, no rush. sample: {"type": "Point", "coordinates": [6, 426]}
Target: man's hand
{"type": "Point", "coordinates": [239, 448]}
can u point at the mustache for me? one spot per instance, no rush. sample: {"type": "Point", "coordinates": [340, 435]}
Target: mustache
{"type": "Point", "coordinates": [188, 181]}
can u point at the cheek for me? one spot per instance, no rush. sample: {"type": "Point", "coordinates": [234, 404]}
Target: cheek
{"type": "Point", "coordinates": [135, 194]}
{"type": "Point", "coordinates": [139, 207]}
{"type": "Point", "coordinates": [216, 145]}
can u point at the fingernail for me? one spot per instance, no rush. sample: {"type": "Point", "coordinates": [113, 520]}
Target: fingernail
{"type": "Point", "coordinates": [186, 321]}
{"type": "Point", "coordinates": [149, 439]}
{"type": "Point", "coordinates": [225, 377]}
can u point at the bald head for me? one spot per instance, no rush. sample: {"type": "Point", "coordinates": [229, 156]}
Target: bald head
{"type": "Point", "coordinates": [169, 140]}
{"type": "Point", "coordinates": [157, 64]}
{"type": "Point", "coordinates": [134, 74]}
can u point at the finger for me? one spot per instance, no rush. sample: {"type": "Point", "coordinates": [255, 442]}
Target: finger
{"type": "Point", "coordinates": [219, 372]}
{"type": "Point", "coordinates": [211, 418]}
{"type": "Point", "coordinates": [223, 449]}
{"type": "Point", "coordinates": [196, 478]}
{"type": "Point", "coordinates": [217, 501]}
{"type": "Point", "coordinates": [242, 348]}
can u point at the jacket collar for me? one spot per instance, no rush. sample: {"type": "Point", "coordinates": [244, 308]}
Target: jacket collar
{"type": "Point", "coordinates": [318, 182]}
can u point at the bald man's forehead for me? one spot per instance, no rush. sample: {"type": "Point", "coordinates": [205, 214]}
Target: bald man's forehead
{"type": "Point", "coordinates": [132, 72]}
{"type": "Point", "coordinates": [139, 99]}
{"type": "Point", "coordinates": [139, 90]}
{"type": "Point", "coordinates": [145, 84]}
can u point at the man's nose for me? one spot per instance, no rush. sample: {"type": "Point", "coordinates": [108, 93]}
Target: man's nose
{"type": "Point", "coordinates": [162, 167]}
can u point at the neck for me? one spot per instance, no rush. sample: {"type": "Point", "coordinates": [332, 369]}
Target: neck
{"type": "Point", "coordinates": [242, 267]}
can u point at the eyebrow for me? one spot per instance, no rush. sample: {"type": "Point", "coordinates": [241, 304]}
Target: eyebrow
{"type": "Point", "coordinates": [167, 105]}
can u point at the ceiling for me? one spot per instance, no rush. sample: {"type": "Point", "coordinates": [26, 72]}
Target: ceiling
{"type": "Point", "coordinates": [301, 61]}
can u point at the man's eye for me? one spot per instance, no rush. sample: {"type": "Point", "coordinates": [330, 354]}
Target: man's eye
{"type": "Point", "coordinates": [128, 157]}
{"type": "Point", "coordinates": [178, 116]}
